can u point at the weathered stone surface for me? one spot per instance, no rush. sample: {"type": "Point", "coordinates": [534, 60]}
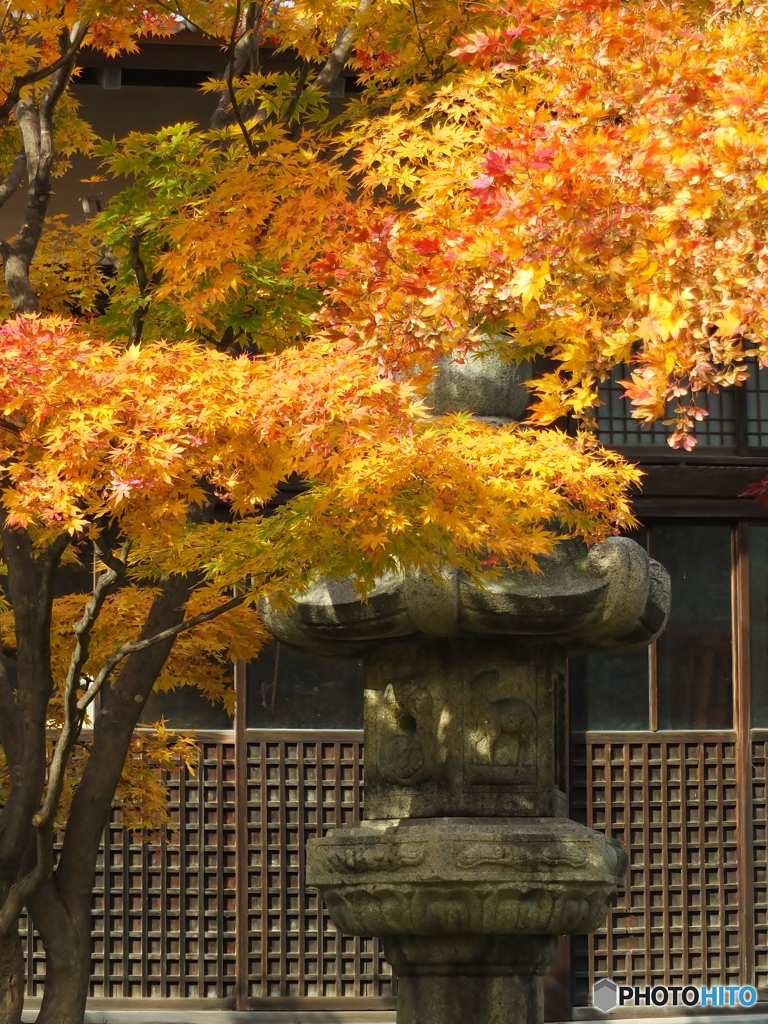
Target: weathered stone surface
{"type": "Point", "coordinates": [483, 384]}
{"type": "Point", "coordinates": [462, 980]}
{"type": "Point", "coordinates": [466, 876]}
{"type": "Point", "coordinates": [464, 727]}
{"type": "Point", "coordinates": [609, 596]}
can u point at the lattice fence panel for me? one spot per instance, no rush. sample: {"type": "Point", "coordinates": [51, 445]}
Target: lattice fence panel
{"type": "Point", "coordinates": [760, 858]}
{"type": "Point", "coordinates": [298, 789]}
{"type": "Point", "coordinates": [168, 924]}
{"type": "Point", "coordinates": [164, 919]}
{"type": "Point", "coordinates": [34, 958]}
{"type": "Point", "coordinates": [673, 805]}
{"type": "Point", "coordinates": [163, 914]}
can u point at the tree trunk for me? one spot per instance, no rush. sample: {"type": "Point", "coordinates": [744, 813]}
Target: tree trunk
{"type": "Point", "coordinates": [61, 909]}
{"type": "Point", "coordinates": [66, 938]}
{"type": "Point", "coordinates": [11, 974]}
{"type": "Point", "coordinates": [23, 295]}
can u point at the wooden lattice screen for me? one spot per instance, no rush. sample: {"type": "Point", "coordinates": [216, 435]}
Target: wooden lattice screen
{"type": "Point", "coordinates": [299, 788]}
{"type": "Point", "coordinates": [759, 851]}
{"type": "Point", "coordinates": [165, 915]}
{"type": "Point", "coordinates": [672, 802]}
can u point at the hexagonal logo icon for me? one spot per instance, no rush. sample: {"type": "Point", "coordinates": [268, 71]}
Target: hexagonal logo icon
{"type": "Point", "coordinates": [604, 995]}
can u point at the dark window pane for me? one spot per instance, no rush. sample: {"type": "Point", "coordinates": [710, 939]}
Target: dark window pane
{"type": "Point", "coordinates": [695, 682]}
{"type": "Point", "coordinates": [290, 689]}
{"type": "Point", "coordinates": [615, 425]}
{"type": "Point", "coordinates": [758, 623]}
{"type": "Point", "coordinates": [756, 389]}
{"type": "Point", "coordinates": [609, 691]}
{"type": "Point", "coordinates": [185, 708]}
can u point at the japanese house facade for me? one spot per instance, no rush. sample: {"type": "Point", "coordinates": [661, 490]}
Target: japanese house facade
{"type": "Point", "coordinates": [668, 748]}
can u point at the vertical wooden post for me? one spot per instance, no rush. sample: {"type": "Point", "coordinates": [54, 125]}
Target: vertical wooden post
{"type": "Point", "coordinates": [653, 683]}
{"type": "Point", "coordinates": [743, 725]}
{"type": "Point", "coordinates": [241, 849]}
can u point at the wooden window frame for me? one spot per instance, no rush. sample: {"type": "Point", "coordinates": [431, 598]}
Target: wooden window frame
{"type": "Point", "coordinates": [750, 767]}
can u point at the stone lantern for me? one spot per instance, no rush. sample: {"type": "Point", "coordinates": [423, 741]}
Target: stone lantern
{"type": "Point", "coordinates": [466, 864]}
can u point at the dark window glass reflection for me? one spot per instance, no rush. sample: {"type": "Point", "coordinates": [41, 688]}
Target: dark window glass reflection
{"type": "Point", "coordinates": [758, 623]}
{"type": "Point", "coordinates": [609, 691]}
{"type": "Point", "coordinates": [185, 708]}
{"type": "Point", "coordinates": [290, 689]}
{"type": "Point", "coordinates": [694, 657]}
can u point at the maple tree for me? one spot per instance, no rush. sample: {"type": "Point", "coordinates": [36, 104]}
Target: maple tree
{"type": "Point", "coordinates": [584, 181]}
{"type": "Point", "coordinates": [127, 450]}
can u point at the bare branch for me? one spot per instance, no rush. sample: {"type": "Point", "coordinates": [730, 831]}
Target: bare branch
{"type": "Point", "coordinates": [136, 261]}
{"type": "Point", "coordinates": [301, 81]}
{"type": "Point", "coordinates": [144, 283]}
{"type": "Point", "coordinates": [119, 563]}
{"type": "Point", "coordinates": [73, 713]}
{"type": "Point", "coordinates": [36, 126]}
{"type": "Point", "coordinates": [12, 97]}
{"type": "Point", "coordinates": [176, 9]}
{"type": "Point", "coordinates": [20, 891]}
{"type": "Point", "coordinates": [6, 12]}
{"type": "Point", "coordinates": [140, 645]}
{"type": "Point", "coordinates": [243, 53]}
{"type": "Point", "coordinates": [69, 44]}
{"type": "Point", "coordinates": [231, 79]}
{"type": "Point", "coordinates": [13, 179]}
{"type": "Point", "coordinates": [422, 47]}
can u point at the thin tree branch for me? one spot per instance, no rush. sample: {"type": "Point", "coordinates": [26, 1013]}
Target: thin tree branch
{"type": "Point", "coordinates": [70, 44]}
{"type": "Point", "coordinates": [13, 180]}
{"type": "Point", "coordinates": [136, 261]}
{"type": "Point", "coordinates": [73, 713]}
{"type": "Point", "coordinates": [144, 283]}
{"type": "Point", "coordinates": [301, 81]}
{"type": "Point", "coordinates": [12, 97]}
{"type": "Point", "coordinates": [246, 46]}
{"type": "Point", "coordinates": [422, 47]}
{"type": "Point", "coordinates": [139, 270]}
{"type": "Point", "coordinates": [140, 645]}
{"type": "Point", "coordinates": [254, 61]}
{"type": "Point", "coordinates": [176, 9]}
{"type": "Point", "coordinates": [231, 81]}
{"type": "Point", "coordinates": [116, 563]}
{"type": "Point", "coordinates": [6, 12]}
{"type": "Point", "coordinates": [36, 128]}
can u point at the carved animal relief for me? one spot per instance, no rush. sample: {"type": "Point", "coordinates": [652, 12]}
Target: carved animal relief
{"type": "Point", "coordinates": [501, 733]}
{"type": "Point", "coordinates": [407, 745]}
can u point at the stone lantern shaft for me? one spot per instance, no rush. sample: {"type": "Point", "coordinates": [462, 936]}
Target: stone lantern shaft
{"type": "Point", "coordinates": [465, 863]}
{"type": "Point", "coordinates": [465, 727]}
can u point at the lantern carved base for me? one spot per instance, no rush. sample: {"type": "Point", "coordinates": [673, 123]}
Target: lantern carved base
{"type": "Point", "coordinates": [468, 907]}
{"type": "Point", "coordinates": [468, 876]}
